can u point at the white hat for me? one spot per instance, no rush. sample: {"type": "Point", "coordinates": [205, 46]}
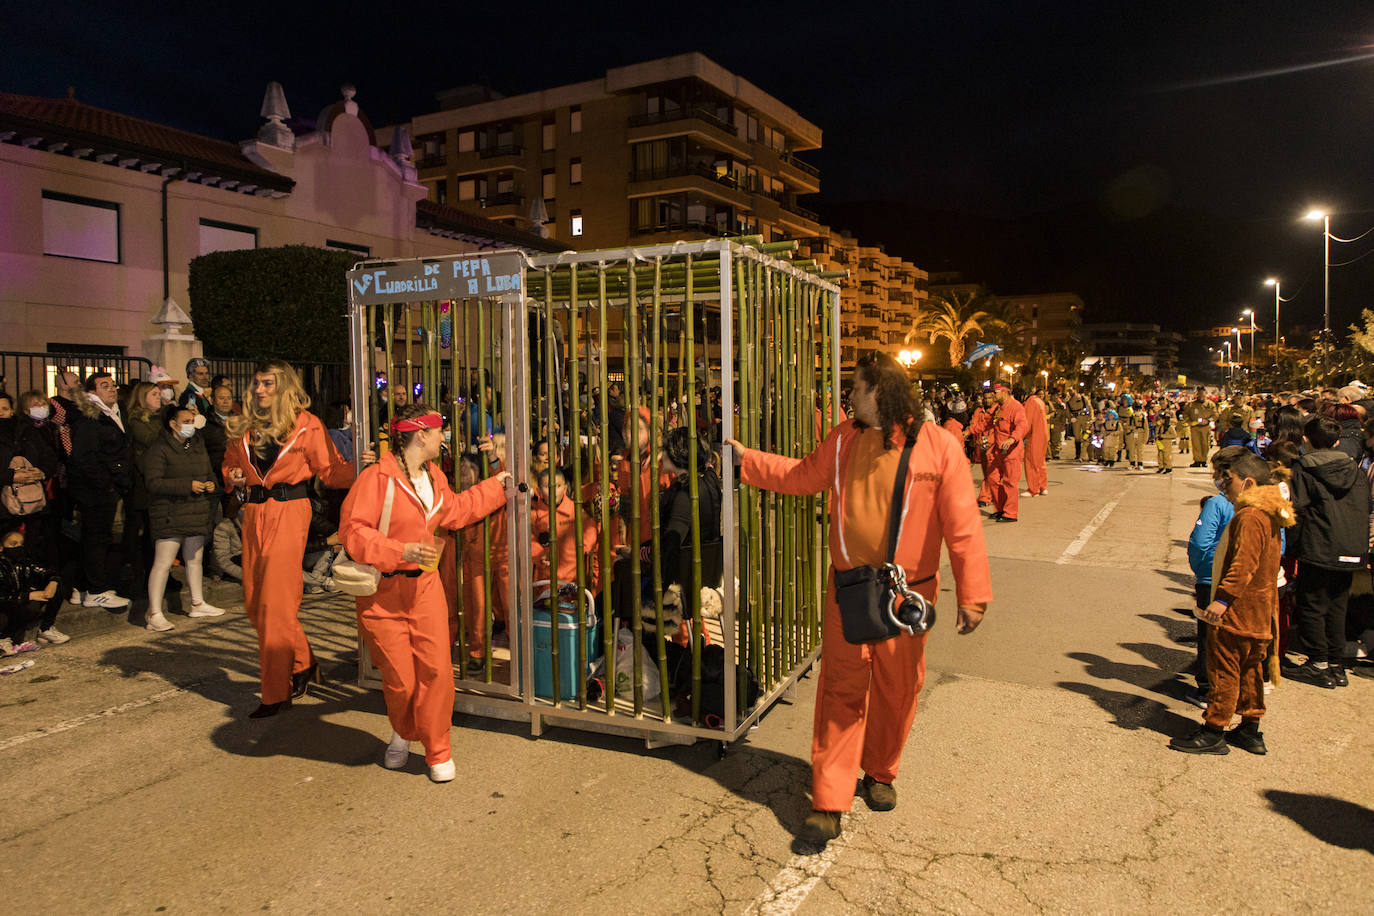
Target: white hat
{"type": "Point", "coordinates": [159, 375]}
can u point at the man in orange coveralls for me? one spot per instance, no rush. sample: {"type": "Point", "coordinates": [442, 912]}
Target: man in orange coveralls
{"type": "Point", "coordinates": [980, 428]}
{"type": "Point", "coordinates": [866, 697]}
{"type": "Point", "coordinates": [1008, 432]}
{"type": "Point", "coordinates": [278, 447]}
{"type": "Point", "coordinates": [564, 532]}
{"type": "Point", "coordinates": [405, 622]}
{"type": "Point", "coordinates": [1037, 445]}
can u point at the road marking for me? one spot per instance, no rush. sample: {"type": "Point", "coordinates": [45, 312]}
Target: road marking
{"type": "Point", "coordinates": [1088, 531]}
{"type": "Point", "coordinates": [789, 890]}
{"type": "Point", "coordinates": [89, 718]}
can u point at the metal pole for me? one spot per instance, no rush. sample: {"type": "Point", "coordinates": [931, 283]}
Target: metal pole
{"type": "Point", "coordinates": [1276, 322]}
{"type": "Point", "coordinates": [551, 504]}
{"type": "Point", "coordinates": [608, 627]}
{"type": "Point", "coordinates": [727, 427]}
{"type": "Point", "coordinates": [575, 439]}
{"type": "Point", "coordinates": [1326, 295]}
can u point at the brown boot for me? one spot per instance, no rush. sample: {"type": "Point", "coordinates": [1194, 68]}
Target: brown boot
{"type": "Point", "coordinates": [820, 827]}
{"type": "Point", "coordinates": [880, 796]}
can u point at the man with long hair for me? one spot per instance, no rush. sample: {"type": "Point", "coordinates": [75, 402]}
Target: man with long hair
{"type": "Point", "coordinates": [866, 697]}
{"type": "Point", "coordinates": [275, 447]}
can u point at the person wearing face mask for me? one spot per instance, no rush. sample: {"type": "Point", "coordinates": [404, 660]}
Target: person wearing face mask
{"type": "Point", "coordinates": [99, 474]}
{"type": "Point", "coordinates": [181, 492]}
{"type": "Point", "coordinates": [21, 436]}
{"type": "Point", "coordinates": [143, 416]}
{"type": "Point", "coordinates": [405, 622]}
{"type": "Point", "coordinates": [28, 590]}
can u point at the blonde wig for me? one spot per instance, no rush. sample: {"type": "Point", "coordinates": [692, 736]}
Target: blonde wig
{"type": "Point", "coordinates": [272, 424]}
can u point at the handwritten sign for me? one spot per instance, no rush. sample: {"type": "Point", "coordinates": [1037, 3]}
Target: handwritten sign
{"type": "Point", "coordinates": [458, 277]}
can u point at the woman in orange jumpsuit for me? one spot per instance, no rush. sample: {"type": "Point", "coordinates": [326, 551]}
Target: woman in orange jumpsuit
{"type": "Point", "coordinates": [405, 623]}
{"type": "Point", "coordinates": [277, 446]}
{"type": "Point", "coordinates": [866, 697]}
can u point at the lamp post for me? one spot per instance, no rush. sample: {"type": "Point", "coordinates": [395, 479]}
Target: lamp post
{"type": "Point", "coordinates": [1274, 282]}
{"type": "Point", "coordinates": [1251, 313]}
{"type": "Point", "coordinates": [1325, 217]}
{"type": "Point", "coordinates": [1237, 353]}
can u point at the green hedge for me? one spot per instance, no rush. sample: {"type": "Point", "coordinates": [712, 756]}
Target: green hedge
{"type": "Point", "coordinates": [272, 303]}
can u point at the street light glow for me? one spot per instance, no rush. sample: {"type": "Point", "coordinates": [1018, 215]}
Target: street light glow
{"type": "Point", "coordinates": [1272, 281]}
{"type": "Point", "coordinates": [1314, 214]}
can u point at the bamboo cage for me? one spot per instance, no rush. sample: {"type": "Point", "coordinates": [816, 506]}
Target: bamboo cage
{"type": "Point", "coordinates": [725, 338]}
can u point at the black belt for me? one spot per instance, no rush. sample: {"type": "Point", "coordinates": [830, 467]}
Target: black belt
{"type": "Point", "coordinates": [408, 573]}
{"type": "Point", "coordinates": [281, 492]}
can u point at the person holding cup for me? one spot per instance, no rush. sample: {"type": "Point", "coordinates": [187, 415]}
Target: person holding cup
{"type": "Point", "coordinates": [405, 622]}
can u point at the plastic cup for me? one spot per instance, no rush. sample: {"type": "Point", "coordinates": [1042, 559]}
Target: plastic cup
{"type": "Point", "coordinates": [438, 544]}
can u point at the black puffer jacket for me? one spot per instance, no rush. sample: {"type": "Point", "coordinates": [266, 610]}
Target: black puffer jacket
{"type": "Point", "coordinates": [170, 466]}
{"type": "Point", "coordinates": [1331, 499]}
{"type": "Point", "coordinates": [100, 469]}
{"type": "Point", "coordinates": [1352, 439]}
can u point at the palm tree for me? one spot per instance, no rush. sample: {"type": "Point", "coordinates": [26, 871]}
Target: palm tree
{"type": "Point", "coordinates": [1006, 325]}
{"type": "Point", "coordinates": [952, 317]}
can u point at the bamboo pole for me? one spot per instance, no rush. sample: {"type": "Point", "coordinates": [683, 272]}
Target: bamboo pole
{"type": "Point", "coordinates": [786, 371]}
{"type": "Point", "coordinates": [489, 616]}
{"type": "Point", "coordinates": [630, 359]}
{"type": "Point", "coordinates": [551, 504]}
{"type": "Point", "coordinates": [756, 496]}
{"type": "Point", "coordinates": [693, 597]}
{"type": "Point", "coordinates": [656, 554]}
{"type": "Point", "coordinates": [575, 434]}
{"type": "Point", "coordinates": [743, 564]}
{"type": "Point", "coordinates": [607, 571]}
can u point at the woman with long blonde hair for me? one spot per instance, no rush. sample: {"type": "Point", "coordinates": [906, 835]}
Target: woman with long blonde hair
{"type": "Point", "coordinates": [275, 448]}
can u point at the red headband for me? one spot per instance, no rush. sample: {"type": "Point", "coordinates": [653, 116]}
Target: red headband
{"type": "Point", "coordinates": [424, 421]}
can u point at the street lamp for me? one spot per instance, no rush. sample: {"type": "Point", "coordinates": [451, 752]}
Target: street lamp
{"type": "Point", "coordinates": [1251, 313]}
{"type": "Point", "coordinates": [1274, 282]}
{"type": "Point", "coordinates": [1325, 217]}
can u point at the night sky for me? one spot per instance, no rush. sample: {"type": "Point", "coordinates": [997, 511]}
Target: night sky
{"type": "Point", "coordinates": [1153, 157]}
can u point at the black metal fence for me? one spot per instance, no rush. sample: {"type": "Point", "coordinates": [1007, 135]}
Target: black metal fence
{"type": "Point", "coordinates": [20, 372]}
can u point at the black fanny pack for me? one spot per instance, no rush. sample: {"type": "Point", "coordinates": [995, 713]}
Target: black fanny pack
{"type": "Point", "coordinates": [282, 492]}
{"type": "Point", "coordinates": [867, 596]}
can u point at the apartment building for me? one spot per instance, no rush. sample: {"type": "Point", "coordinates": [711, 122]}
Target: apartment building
{"type": "Point", "coordinates": [676, 148]}
{"type": "Point", "coordinates": [1049, 317]}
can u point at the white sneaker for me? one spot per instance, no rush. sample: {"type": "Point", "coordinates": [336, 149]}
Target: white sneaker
{"type": "Point", "coordinates": [7, 646]}
{"type": "Point", "coordinates": [158, 623]}
{"type": "Point", "coordinates": [443, 772]}
{"type": "Point", "coordinates": [53, 636]}
{"type": "Point", "coordinates": [397, 753]}
{"type": "Point", "coordinates": [106, 599]}
{"type": "Point", "coordinates": [205, 609]}
{"type": "Point", "coordinates": [76, 597]}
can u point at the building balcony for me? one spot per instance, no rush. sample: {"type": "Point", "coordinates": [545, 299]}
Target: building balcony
{"type": "Point", "coordinates": [803, 175]}
{"type": "Point", "coordinates": [678, 230]}
{"type": "Point", "coordinates": [497, 206]}
{"type": "Point", "coordinates": [706, 183]}
{"type": "Point", "coordinates": [699, 121]}
{"type": "Point", "coordinates": [430, 162]}
{"type": "Point", "coordinates": [501, 157]}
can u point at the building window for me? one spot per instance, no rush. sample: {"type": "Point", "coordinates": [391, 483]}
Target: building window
{"type": "Point", "coordinates": [505, 184]}
{"type": "Point", "coordinates": [548, 189]}
{"type": "Point", "coordinates": [79, 227]}
{"type": "Point", "coordinates": [575, 171]}
{"type": "Point", "coordinates": [363, 250]}
{"type": "Point", "coordinates": [575, 120]}
{"type": "Point", "coordinates": [440, 192]}
{"type": "Point", "coordinates": [217, 236]}
{"type": "Point", "coordinates": [467, 189]}
{"type": "Point", "coordinates": [550, 135]}
{"type": "Point", "coordinates": [576, 222]}
{"type": "Point", "coordinates": [751, 127]}
{"type": "Point", "coordinates": [467, 141]}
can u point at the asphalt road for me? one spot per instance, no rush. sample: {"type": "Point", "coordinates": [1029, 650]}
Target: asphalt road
{"type": "Point", "coordinates": [1036, 778]}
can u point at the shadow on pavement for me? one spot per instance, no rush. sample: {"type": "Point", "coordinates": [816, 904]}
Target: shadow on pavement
{"type": "Point", "coordinates": [1134, 712]}
{"type": "Point", "coordinates": [1182, 630]}
{"type": "Point", "coordinates": [1147, 677]}
{"type": "Point", "coordinates": [1331, 820]}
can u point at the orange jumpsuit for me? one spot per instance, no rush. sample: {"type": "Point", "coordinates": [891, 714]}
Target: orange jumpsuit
{"type": "Point", "coordinates": [474, 583]}
{"type": "Point", "coordinates": [1037, 446]}
{"type": "Point", "coordinates": [567, 545]}
{"type": "Point", "coordinates": [955, 428]}
{"type": "Point", "coordinates": [405, 623]}
{"type": "Point", "coordinates": [274, 534]}
{"type": "Point", "coordinates": [866, 697]}
{"type": "Point", "coordinates": [1008, 421]}
{"type": "Point", "coordinates": [980, 425]}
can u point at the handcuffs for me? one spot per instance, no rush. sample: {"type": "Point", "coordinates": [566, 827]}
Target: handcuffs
{"type": "Point", "coordinates": [916, 614]}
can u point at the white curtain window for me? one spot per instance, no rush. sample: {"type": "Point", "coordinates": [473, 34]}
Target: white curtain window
{"type": "Point", "coordinates": [575, 172]}
{"type": "Point", "coordinates": [575, 121]}
{"type": "Point", "coordinates": [467, 189]}
{"type": "Point", "coordinates": [548, 185]}
{"type": "Point", "coordinates": [226, 237]}
{"type": "Point", "coordinates": [75, 227]}
{"type": "Point", "coordinates": [467, 141]}
{"type": "Point", "coordinates": [550, 136]}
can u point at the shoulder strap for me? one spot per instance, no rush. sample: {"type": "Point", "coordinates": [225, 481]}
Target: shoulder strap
{"type": "Point", "coordinates": [386, 505]}
{"type": "Point", "coordinates": [894, 520]}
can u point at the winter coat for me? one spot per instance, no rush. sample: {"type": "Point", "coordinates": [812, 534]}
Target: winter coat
{"type": "Point", "coordinates": [19, 438]}
{"type": "Point", "coordinates": [228, 549]}
{"type": "Point", "coordinates": [1202, 543]}
{"type": "Point", "coordinates": [1331, 499]}
{"type": "Point", "coordinates": [216, 444]}
{"type": "Point", "coordinates": [100, 469]}
{"type": "Point", "coordinates": [1249, 577]}
{"type": "Point", "coordinates": [1352, 439]}
{"type": "Point", "coordinates": [170, 466]}
{"type": "Point", "coordinates": [143, 432]}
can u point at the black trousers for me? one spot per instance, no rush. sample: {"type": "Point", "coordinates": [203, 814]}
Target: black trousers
{"type": "Point", "coordinates": [1322, 598]}
{"type": "Point", "coordinates": [97, 527]}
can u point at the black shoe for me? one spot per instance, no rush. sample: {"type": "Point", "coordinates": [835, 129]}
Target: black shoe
{"type": "Point", "coordinates": [301, 680]}
{"type": "Point", "coordinates": [879, 796]}
{"type": "Point", "coordinates": [1202, 741]}
{"type": "Point", "coordinates": [1168, 470]}
{"type": "Point", "coordinates": [820, 827]}
{"type": "Point", "coordinates": [1337, 674]}
{"type": "Point", "coordinates": [1005, 518]}
{"type": "Point", "coordinates": [996, 516]}
{"type": "Point", "coordinates": [476, 667]}
{"type": "Point", "coordinates": [1247, 737]}
{"type": "Point", "coordinates": [267, 710]}
{"type": "Point", "coordinates": [1309, 673]}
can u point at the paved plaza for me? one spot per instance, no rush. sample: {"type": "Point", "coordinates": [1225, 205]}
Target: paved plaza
{"type": "Point", "coordinates": [1036, 779]}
